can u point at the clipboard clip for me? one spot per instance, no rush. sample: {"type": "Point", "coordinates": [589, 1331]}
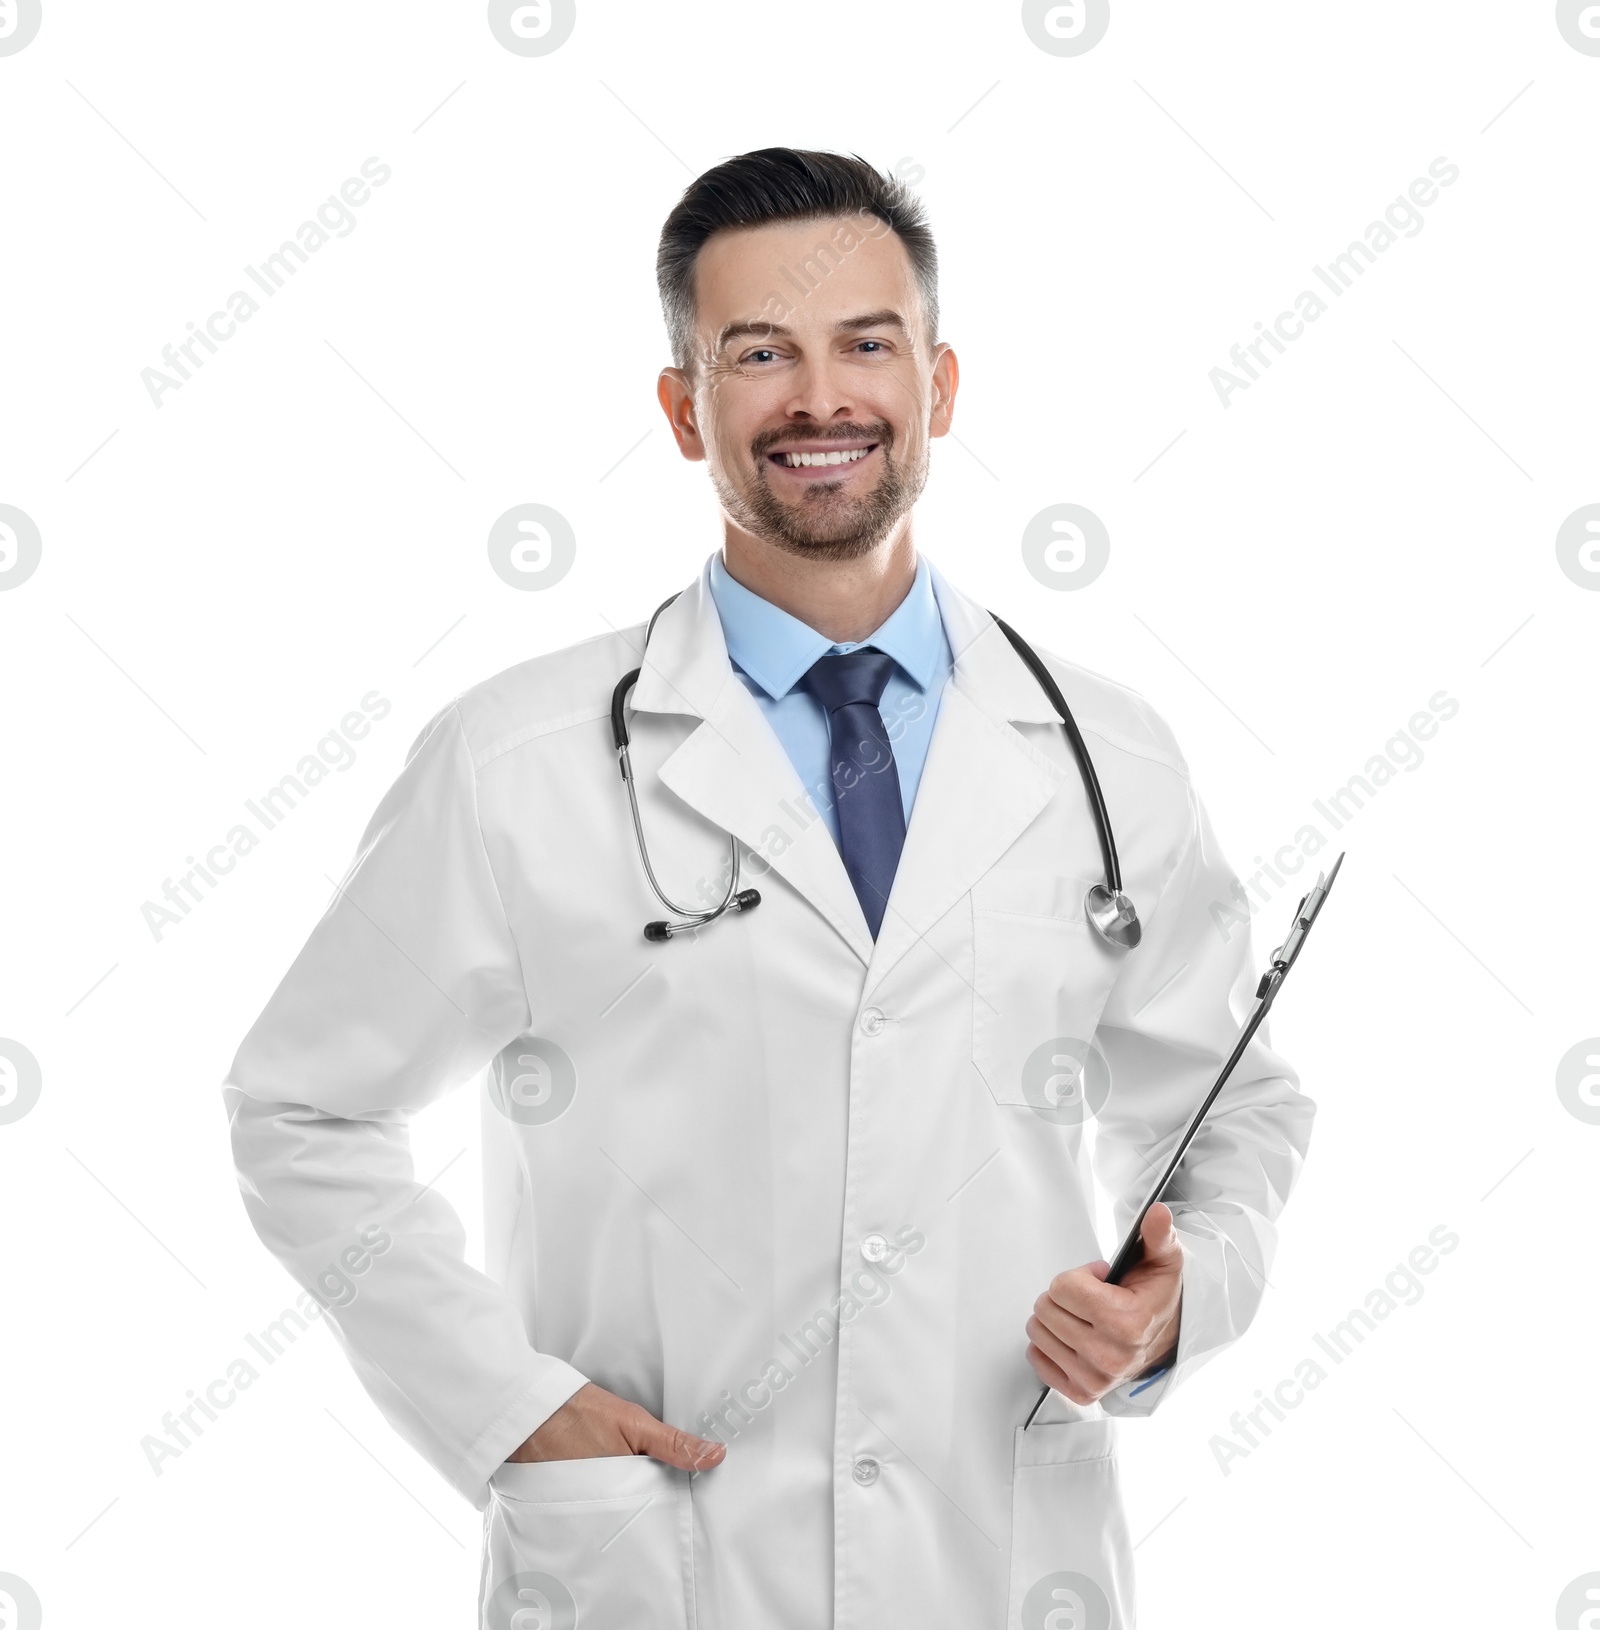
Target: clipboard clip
{"type": "Point", "coordinates": [1304, 915]}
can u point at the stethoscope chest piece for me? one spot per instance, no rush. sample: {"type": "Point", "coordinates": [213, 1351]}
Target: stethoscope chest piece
{"type": "Point", "coordinates": [1113, 915]}
{"type": "Point", "coordinates": [1110, 912]}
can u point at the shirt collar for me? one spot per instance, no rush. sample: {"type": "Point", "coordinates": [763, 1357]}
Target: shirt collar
{"type": "Point", "coordinates": [776, 649]}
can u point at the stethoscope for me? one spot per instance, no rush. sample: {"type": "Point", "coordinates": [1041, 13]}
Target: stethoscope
{"type": "Point", "coordinates": [1108, 909]}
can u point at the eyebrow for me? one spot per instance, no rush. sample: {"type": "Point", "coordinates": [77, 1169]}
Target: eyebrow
{"type": "Point", "coordinates": [886, 318]}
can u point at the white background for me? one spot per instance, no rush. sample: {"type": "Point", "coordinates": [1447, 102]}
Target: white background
{"type": "Point", "coordinates": [304, 521]}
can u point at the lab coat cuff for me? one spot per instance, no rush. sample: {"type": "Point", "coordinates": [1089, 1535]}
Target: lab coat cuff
{"type": "Point", "coordinates": [553, 1383]}
{"type": "Point", "coordinates": [1199, 1335]}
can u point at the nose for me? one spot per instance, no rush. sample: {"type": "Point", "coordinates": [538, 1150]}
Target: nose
{"type": "Point", "coordinates": [822, 393]}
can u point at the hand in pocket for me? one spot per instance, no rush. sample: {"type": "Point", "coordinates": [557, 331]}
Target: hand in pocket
{"type": "Point", "coordinates": [594, 1422]}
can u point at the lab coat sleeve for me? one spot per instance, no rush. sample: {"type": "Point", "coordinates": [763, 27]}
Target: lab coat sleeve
{"type": "Point", "coordinates": [408, 985]}
{"type": "Point", "coordinates": [1169, 1026]}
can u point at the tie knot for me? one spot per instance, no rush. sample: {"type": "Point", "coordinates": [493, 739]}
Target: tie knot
{"type": "Point", "coordinates": [844, 677]}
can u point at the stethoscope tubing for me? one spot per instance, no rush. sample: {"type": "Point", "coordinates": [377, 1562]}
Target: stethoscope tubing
{"type": "Point", "coordinates": [686, 917]}
{"type": "Point", "coordinates": [1091, 781]}
{"type": "Point", "coordinates": [734, 899]}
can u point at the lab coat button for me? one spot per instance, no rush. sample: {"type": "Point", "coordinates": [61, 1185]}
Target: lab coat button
{"type": "Point", "coordinates": [872, 1021]}
{"type": "Point", "coordinates": [874, 1248]}
{"type": "Point", "coordinates": [866, 1471]}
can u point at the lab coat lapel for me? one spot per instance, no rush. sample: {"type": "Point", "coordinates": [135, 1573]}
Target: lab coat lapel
{"type": "Point", "coordinates": [733, 769]}
{"type": "Point", "coordinates": [982, 785]}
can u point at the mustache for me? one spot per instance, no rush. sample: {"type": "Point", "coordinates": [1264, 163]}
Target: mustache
{"type": "Point", "coordinates": [770, 441]}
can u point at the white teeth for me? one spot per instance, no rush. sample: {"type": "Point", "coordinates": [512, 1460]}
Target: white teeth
{"type": "Point", "coordinates": [797, 461]}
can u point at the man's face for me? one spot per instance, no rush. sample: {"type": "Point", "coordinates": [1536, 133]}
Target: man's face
{"type": "Point", "coordinates": [814, 389]}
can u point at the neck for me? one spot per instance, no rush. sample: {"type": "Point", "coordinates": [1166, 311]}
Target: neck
{"type": "Point", "coordinates": [844, 599]}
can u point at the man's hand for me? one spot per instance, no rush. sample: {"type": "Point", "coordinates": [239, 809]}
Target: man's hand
{"type": "Point", "coordinates": [594, 1422]}
{"type": "Point", "coordinates": [1086, 1337]}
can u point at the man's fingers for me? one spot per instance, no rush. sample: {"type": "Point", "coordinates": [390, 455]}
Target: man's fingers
{"type": "Point", "coordinates": [1087, 1335]}
{"type": "Point", "coordinates": [677, 1448]}
{"type": "Point", "coordinates": [1108, 1324]}
{"type": "Point", "coordinates": [1072, 1329]}
{"type": "Point", "coordinates": [1070, 1360]}
{"type": "Point", "coordinates": [1063, 1381]}
{"type": "Point", "coordinates": [1083, 1292]}
{"type": "Point", "coordinates": [689, 1453]}
{"type": "Point", "coordinates": [1046, 1341]}
{"type": "Point", "coordinates": [594, 1423]}
{"type": "Point", "coordinates": [1049, 1372]}
{"type": "Point", "coordinates": [1159, 1237]}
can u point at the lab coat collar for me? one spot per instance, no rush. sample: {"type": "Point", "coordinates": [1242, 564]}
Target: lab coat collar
{"type": "Point", "coordinates": [777, 650]}
{"type": "Point", "coordinates": [982, 786]}
{"type": "Point", "coordinates": [986, 667]}
{"type": "Point", "coordinates": [686, 665]}
{"type": "Point", "coordinates": [733, 769]}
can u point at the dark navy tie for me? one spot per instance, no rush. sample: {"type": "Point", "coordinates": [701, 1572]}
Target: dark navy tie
{"type": "Point", "coordinates": [866, 784]}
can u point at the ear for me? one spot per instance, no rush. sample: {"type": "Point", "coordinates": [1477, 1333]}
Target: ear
{"type": "Point", "coordinates": [946, 381]}
{"type": "Point", "coordinates": [676, 396]}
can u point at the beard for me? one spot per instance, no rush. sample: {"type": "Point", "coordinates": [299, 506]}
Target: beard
{"type": "Point", "coordinates": [823, 523]}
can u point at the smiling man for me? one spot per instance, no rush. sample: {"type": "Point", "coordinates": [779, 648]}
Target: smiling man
{"type": "Point", "coordinates": [790, 1209]}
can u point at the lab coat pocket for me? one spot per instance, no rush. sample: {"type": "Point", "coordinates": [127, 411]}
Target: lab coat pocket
{"type": "Point", "coordinates": [1041, 976]}
{"type": "Point", "coordinates": [1071, 1563]}
{"type": "Point", "coordinates": [600, 1542]}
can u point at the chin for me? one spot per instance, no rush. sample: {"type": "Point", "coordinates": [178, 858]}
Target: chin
{"type": "Point", "coordinates": [822, 525]}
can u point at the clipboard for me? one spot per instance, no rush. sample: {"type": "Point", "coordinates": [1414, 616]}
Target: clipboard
{"type": "Point", "coordinates": [1282, 960]}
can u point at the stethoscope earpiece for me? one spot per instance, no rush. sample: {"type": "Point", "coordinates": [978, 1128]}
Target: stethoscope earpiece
{"type": "Point", "coordinates": [744, 900]}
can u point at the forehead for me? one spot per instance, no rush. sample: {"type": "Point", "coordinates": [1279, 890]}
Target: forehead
{"type": "Point", "coordinates": [804, 274]}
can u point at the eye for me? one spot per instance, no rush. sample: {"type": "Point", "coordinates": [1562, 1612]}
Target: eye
{"type": "Point", "coordinates": [756, 356]}
{"type": "Point", "coordinates": [877, 346]}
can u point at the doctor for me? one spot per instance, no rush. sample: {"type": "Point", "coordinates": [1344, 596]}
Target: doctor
{"type": "Point", "coordinates": [790, 1214]}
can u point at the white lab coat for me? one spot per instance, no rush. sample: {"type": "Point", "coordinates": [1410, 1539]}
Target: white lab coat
{"type": "Point", "coordinates": [776, 1173]}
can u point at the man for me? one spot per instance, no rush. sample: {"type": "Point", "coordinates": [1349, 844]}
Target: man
{"type": "Point", "coordinates": [789, 1214]}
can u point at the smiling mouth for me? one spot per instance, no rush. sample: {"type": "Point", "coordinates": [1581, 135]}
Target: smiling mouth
{"type": "Point", "coordinates": [805, 461]}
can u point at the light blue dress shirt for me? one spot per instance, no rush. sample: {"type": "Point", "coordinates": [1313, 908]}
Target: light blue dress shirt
{"type": "Point", "coordinates": [771, 651]}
